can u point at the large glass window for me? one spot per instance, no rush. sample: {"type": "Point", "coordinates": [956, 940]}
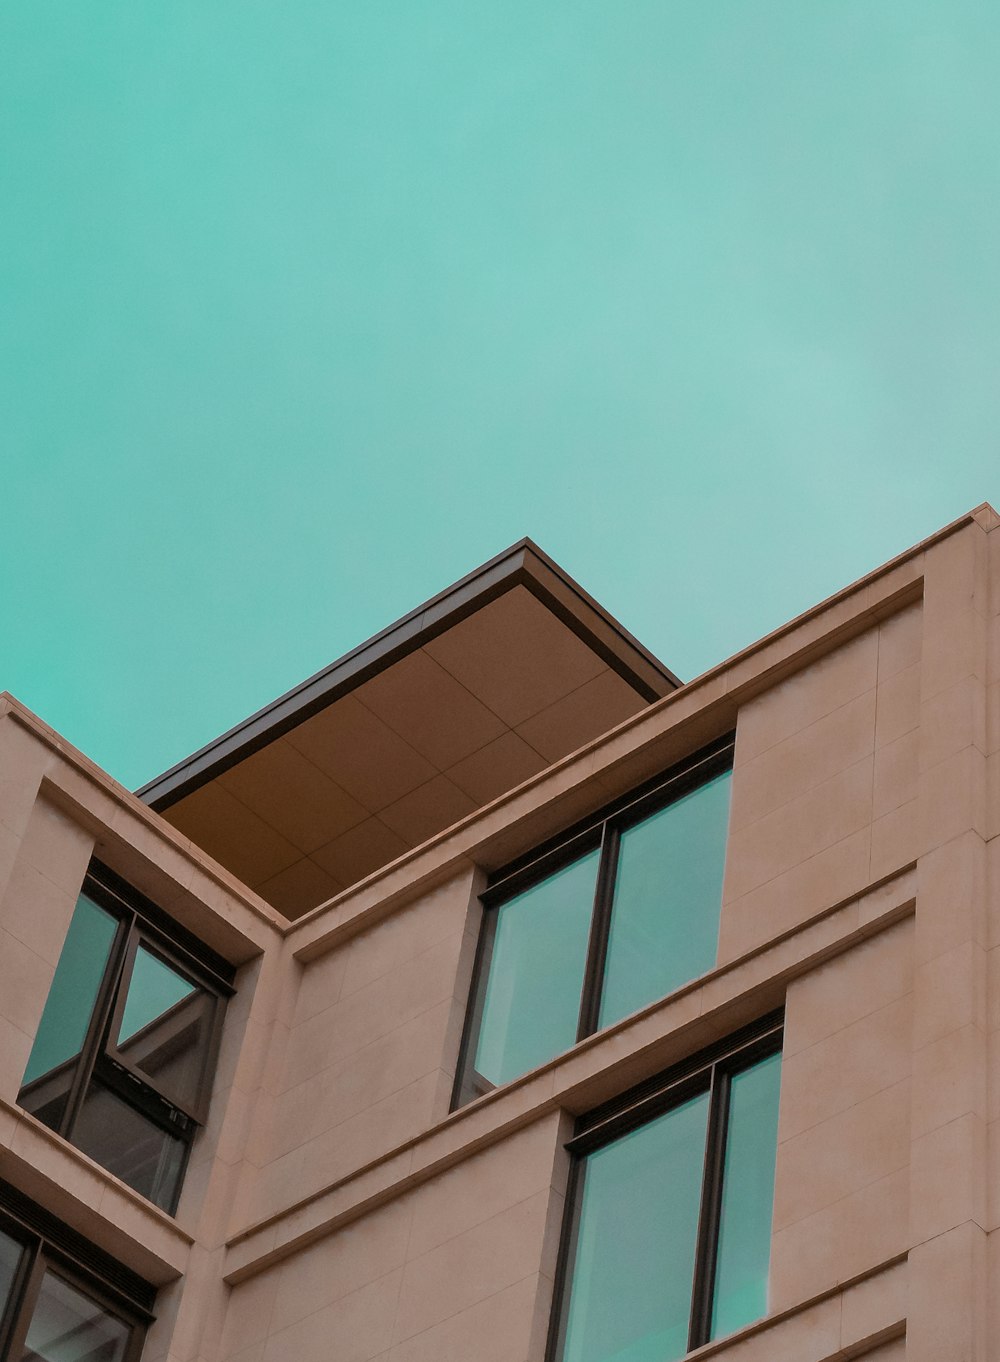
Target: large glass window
{"type": "Point", "coordinates": [621, 911]}
{"type": "Point", "coordinates": [123, 1055]}
{"type": "Point", "coordinates": [668, 1230]}
{"type": "Point", "coordinates": [666, 899]}
{"type": "Point", "coordinates": [61, 1299]}
{"type": "Point", "coordinates": [530, 1010]}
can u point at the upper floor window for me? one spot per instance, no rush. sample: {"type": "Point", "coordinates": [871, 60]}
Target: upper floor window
{"type": "Point", "coordinates": [667, 1237]}
{"type": "Point", "coordinates": [61, 1299]}
{"type": "Point", "coordinates": [123, 1058]}
{"type": "Point", "coordinates": [621, 911]}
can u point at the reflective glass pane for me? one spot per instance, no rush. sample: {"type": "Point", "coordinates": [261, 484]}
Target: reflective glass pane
{"type": "Point", "coordinates": [165, 1028]}
{"type": "Point", "coordinates": [668, 891]}
{"type": "Point", "coordinates": [67, 1326]}
{"type": "Point", "coordinates": [10, 1258]}
{"type": "Point", "coordinates": [68, 1009]}
{"type": "Point", "coordinates": [632, 1278]}
{"type": "Point", "coordinates": [747, 1198]}
{"type": "Point", "coordinates": [128, 1144]}
{"type": "Point", "coordinates": [532, 1003]}
{"type": "Point", "coordinates": [153, 990]}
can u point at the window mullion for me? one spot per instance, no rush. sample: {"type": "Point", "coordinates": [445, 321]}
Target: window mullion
{"type": "Point", "coordinates": [125, 943]}
{"type": "Point", "coordinates": [10, 1316]}
{"type": "Point", "coordinates": [467, 1081]}
{"type": "Point", "coordinates": [566, 1260]}
{"type": "Point", "coordinates": [23, 1298]}
{"type": "Point", "coordinates": [109, 1039]}
{"type": "Point", "coordinates": [600, 931]}
{"type": "Point", "coordinates": [711, 1209]}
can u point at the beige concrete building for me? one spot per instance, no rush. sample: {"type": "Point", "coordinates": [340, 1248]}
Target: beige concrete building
{"type": "Point", "coordinates": [494, 997]}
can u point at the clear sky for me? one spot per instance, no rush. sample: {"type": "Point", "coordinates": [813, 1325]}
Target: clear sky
{"type": "Point", "coordinates": [309, 308]}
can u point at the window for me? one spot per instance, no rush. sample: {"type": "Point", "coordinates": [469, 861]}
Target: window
{"type": "Point", "coordinates": [617, 913]}
{"type": "Point", "coordinates": [61, 1299]}
{"type": "Point", "coordinates": [123, 1057]}
{"type": "Point", "coordinates": [667, 1237]}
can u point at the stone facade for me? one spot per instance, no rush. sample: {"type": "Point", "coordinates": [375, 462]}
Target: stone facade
{"type": "Point", "coordinates": [335, 1207]}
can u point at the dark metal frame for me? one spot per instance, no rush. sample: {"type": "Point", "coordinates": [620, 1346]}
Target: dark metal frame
{"type": "Point", "coordinates": [49, 1244]}
{"type": "Point", "coordinates": [141, 922]}
{"type": "Point", "coordinates": [602, 830]}
{"type": "Point", "coordinates": [711, 1071]}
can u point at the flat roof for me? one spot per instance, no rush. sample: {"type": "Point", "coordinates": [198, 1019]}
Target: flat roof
{"type": "Point", "coordinates": [476, 690]}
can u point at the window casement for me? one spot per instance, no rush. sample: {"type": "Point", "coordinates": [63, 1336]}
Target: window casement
{"type": "Point", "coordinates": [667, 1234]}
{"type": "Point", "coordinates": [62, 1299]}
{"type": "Point", "coordinates": [619, 911]}
{"type": "Point", "coordinates": [124, 1054]}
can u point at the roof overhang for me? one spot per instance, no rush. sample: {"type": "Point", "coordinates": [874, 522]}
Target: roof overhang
{"type": "Point", "coordinates": [473, 692]}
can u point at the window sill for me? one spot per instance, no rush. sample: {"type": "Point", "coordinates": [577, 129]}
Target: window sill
{"type": "Point", "coordinates": [823, 1328]}
{"type": "Point", "coordinates": [599, 1067]}
{"type": "Point", "coordinates": [92, 1201]}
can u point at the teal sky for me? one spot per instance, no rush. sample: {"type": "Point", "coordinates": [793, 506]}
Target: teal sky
{"type": "Point", "coordinates": [307, 309]}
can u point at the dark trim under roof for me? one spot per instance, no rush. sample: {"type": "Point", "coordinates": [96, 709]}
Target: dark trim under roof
{"type": "Point", "coordinates": [523, 564]}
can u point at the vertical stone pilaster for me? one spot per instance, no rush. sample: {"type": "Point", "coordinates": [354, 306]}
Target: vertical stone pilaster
{"type": "Point", "coordinates": [949, 1213]}
{"type": "Point", "coordinates": [992, 746]}
{"type": "Point", "coordinates": [23, 763]}
{"type": "Point", "coordinates": [217, 1182]}
{"type": "Point", "coordinates": [43, 859]}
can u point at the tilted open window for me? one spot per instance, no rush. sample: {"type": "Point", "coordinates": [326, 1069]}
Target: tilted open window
{"type": "Point", "coordinates": [667, 1237]}
{"type": "Point", "coordinates": [618, 912]}
{"type": "Point", "coordinates": [62, 1299]}
{"type": "Point", "coordinates": [123, 1058]}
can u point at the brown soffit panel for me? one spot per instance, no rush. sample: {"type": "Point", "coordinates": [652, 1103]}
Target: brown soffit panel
{"type": "Point", "coordinates": [523, 564]}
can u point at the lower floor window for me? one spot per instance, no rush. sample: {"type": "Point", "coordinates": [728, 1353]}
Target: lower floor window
{"type": "Point", "coordinates": [668, 1231]}
{"type": "Point", "coordinates": [61, 1300]}
{"type": "Point", "coordinates": [124, 1052]}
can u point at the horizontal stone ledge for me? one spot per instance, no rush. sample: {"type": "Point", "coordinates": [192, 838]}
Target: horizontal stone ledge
{"type": "Point", "coordinates": [595, 1069]}
{"type": "Point", "coordinates": [609, 766]}
{"type": "Point", "coordinates": [845, 1322]}
{"type": "Point", "coordinates": [110, 813]}
{"type": "Point", "coordinates": [65, 1182]}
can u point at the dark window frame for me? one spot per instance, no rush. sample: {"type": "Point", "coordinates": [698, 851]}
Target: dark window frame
{"type": "Point", "coordinates": [140, 922]}
{"type": "Point", "coordinates": [709, 1071]}
{"type": "Point", "coordinates": [50, 1245]}
{"type": "Point", "coordinates": [601, 830]}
